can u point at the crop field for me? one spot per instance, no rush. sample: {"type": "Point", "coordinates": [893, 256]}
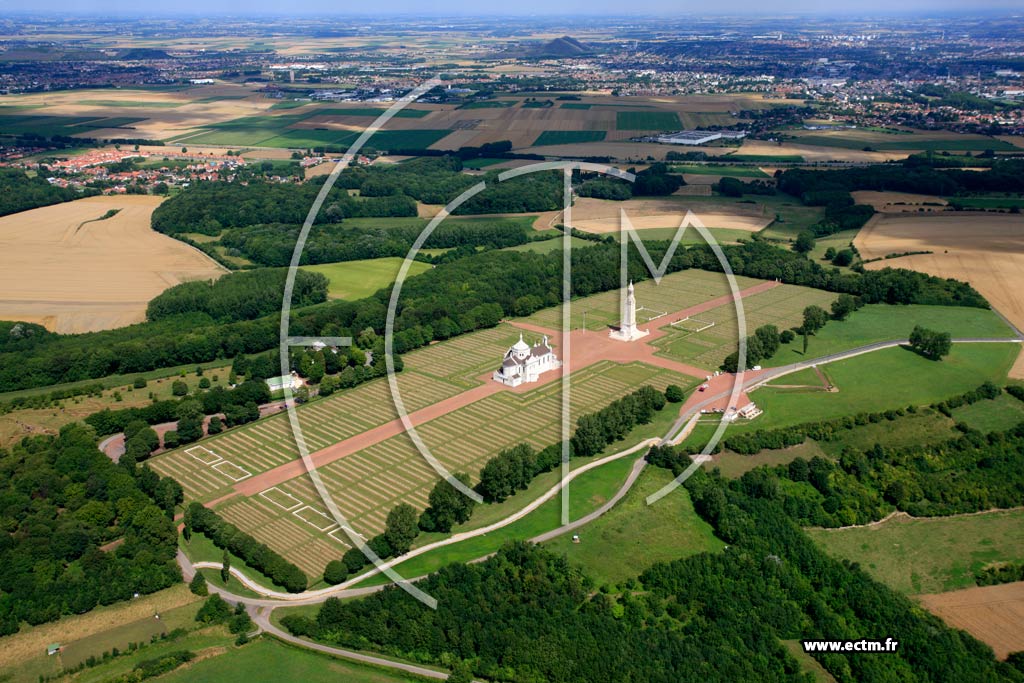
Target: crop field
{"type": "Point", "coordinates": [899, 202]}
{"type": "Point", "coordinates": [368, 483]}
{"type": "Point", "coordinates": [929, 555]}
{"type": "Point", "coordinates": [568, 137]}
{"type": "Point", "coordinates": [992, 614]}
{"type": "Point", "coordinates": [676, 291]}
{"type": "Point", "coordinates": [982, 249]}
{"type": "Point", "coordinates": [357, 279]}
{"type": "Point", "coordinates": [990, 202]}
{"type": "Point", "coordinates": [647, 120]}
{"type": "Point", "coordinates": [71, 272]}
{"type": "Point", "coordinates": [781, 306]}
{"type": "Point", "coordinates": [603, 216]}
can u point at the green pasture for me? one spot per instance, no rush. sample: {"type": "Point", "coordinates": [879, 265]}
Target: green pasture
{"type": "Point", "coordinates": [929, 555]}
{"type": "Point", "coordinates": [568, 137]}
{"type": "Point", "coordinates": [358, 279]}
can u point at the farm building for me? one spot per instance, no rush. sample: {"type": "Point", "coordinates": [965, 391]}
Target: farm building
{"type": "Point", "coordinates": [699, 137]}
{"type": "Point", "coordinates": [525, 363]}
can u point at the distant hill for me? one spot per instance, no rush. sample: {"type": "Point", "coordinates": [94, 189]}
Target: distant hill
{"type": "Point", "coordinates": [566, 46]}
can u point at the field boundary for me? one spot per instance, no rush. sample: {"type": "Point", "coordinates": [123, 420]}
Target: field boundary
{"type": "Point", "coordinates": [216, 458]}
{"type": "Point", "coordinates": [239, 468]}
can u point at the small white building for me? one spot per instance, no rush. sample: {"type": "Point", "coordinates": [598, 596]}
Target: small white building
{"type": "Point", "coordinates": [525, 363]}
{"type": "Point", "coordinates": [291, 381]}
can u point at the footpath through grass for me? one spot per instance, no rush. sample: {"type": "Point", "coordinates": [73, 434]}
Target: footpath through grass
{"type": "Point", "coordinates": [930, 555]}
{"type": "Point", "coordinates": [267, 659]}
{"type": "Point", "coordinates": [881, 380]}
{"type": "Point", "coordinates": [633, 535]}
{"type": "Point", "coordinates": [882, 322]}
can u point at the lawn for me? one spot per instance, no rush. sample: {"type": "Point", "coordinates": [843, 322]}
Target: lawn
{"type": "Point", "coordinates": [358, 279]}
{"type": "Point", "coordinates": [587, 492]}
{"type": "Point", "coordinates": [568, 137]}
{"type": "Point", "coordinates": [890, 378]}
{"type": "Point", "coordinates": [268, 659]}
{"type": "Point", "coordinates": [732, 171]}
{"type": "Point", "coordinates": [929, 555]}
{"type": "Point", "coordinates": [647, 120]}
{"type": "Point", "coordinates": [883, 322]}
{"type": "Point", "coordinates": [633, 535]}
{"type": "Point", "coordinates": [548, 246]}
{"type": "Point", "coordinates": [1002, 413]}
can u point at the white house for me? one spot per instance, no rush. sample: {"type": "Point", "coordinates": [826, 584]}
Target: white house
{"type": "Point", "coordinates": [279, 383]}
{"type": "Point", "coordinates": [525, 363]}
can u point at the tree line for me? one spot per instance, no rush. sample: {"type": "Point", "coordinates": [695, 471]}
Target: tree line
{"type": "Point", "coordinates": [19, 192]}
{"type": "Point", "coordinates": [63, 501]}
{"type": "Point", "coordinates": [230, 538]}
{"type": "Point", "coordinates": [238, 296]}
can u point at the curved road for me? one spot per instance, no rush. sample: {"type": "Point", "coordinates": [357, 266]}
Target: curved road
{"type": "Point", "coordinates": [261, 608]}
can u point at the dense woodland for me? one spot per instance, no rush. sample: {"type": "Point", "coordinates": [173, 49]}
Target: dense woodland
{"type": "Point", "coordinates": [61, 501]}
{"type": "Point", "coordinates": [19, 192]}
{"type": "Point", "coordinates": [968, 473]}
{"type": "Point", "coordinates": [273, 244]}
{"type": "Point", "coordinates": [238, 296]}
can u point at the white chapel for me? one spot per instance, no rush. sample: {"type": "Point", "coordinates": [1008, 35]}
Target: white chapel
{"type": "Point", "coordinates": [525, 363]}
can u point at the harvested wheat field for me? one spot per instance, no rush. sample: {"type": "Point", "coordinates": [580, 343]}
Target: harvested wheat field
{"type": "Point", "coordinates": [815, 152]}
{"type": "Point", "coordinates": [602, 216]}
{"type": "Point", "coordinates": [63, 267]}
{"type": "Point", "coordinates": [986, 250]}
{"type": "Point", "coordinates": [899, 202]}
{"type": "Point", "coordinates": [992, 614]}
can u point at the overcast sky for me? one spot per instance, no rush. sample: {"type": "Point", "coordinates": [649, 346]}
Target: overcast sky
{"type": "Point", "coordinates": [521, 7]}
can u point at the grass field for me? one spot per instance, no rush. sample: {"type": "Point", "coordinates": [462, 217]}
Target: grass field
{"type": "Point", "coordinates": [676, 291]}
{"type": "Point", "coordinates": [566, 137]}
{"type": "Point", "coordinates": [24, 657]}
{"type": "Point", "coordinates": [781, 306]}
{"type": "Point", "coordinates": [1002, 413]}
{"type": "Point", "coordinates": [154, 104]}
{"type": "Point", "coordinates": [357, 279]}
{"type": "Point", "coordinates": [270, 659]}
{"type": "Point", "coordinates": [767, 158]}
{"type": "Point", "coordinates": [882, 322]}
{"type": "Point", "coordinates": [712, 169]}
{"type": "Point", "coordinates": [18, 424]}
{"type": "Point", "coordinates": [477, 164]}
{"type": "Point", "coordinates": [929, 555]}
{"type": "Point", "coordinates": [548, 246]}
{"type": "Point", "coordinates": [406, 113]}
{"type": "Point", "coordinates": [632, 536]}
{"type": "Point", "coordinates": [866, 384]}
{"type": "Point", "coordinates": [647, 120]}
